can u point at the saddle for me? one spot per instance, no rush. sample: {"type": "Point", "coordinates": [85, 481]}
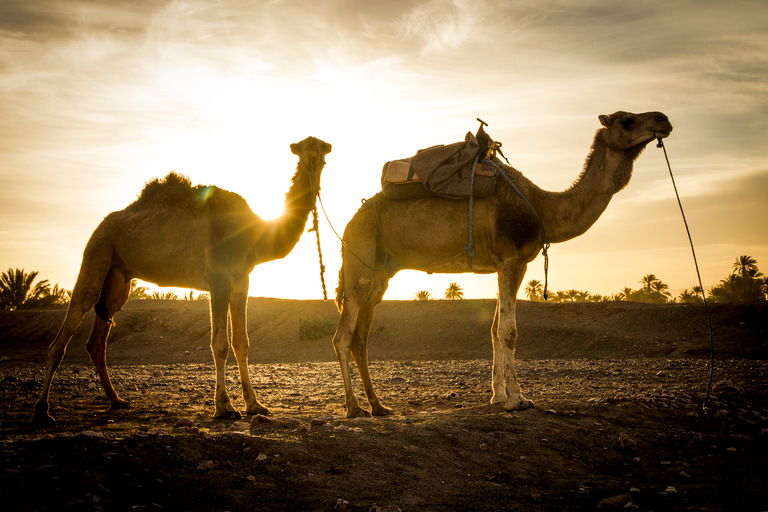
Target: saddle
{"type": "Point", "coordinates": [443, 170]}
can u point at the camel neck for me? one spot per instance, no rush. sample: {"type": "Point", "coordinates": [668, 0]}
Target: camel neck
{"type": "Point", "coordinates": [568, 214]}
{"type": "Point", "coordinates": [283, 233]}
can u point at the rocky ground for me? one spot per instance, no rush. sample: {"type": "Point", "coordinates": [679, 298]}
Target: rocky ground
{"type": "Point", "coordinates": [626, 431]}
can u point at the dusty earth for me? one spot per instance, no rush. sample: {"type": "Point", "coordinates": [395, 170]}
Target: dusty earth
{"type": "Point", "coordinates": [618, 423]}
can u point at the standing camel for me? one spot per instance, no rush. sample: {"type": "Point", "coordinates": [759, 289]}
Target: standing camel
{"type": "Point", "coordinates": [429, 234]}
{"type": "Point", "coordinates": [199, 237]}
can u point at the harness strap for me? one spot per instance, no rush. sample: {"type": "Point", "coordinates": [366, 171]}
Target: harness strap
{"type": "Point", "coordinates": [544, 241]}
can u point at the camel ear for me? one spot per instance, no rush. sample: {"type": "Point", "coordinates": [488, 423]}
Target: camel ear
{"type": "Point", "coordinates": [604, 120]}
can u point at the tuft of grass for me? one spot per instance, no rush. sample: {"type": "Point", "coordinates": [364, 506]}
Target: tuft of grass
{"type": "Point", "coordinates": [316, 328]}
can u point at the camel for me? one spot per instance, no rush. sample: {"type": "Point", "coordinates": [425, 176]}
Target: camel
{"type": "Point", "coordinates": [201, 237]}
{"type": "Point", "coordinates": [429, 234]}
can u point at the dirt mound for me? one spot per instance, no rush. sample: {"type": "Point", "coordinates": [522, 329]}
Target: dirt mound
{"type": "Point", "coordinates": [164, 332]}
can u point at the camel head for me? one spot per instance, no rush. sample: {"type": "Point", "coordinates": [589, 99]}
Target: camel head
{"type": "Point", "coordinates": [630, 132]}
{"type": "Point", "coordinates": [311, 152]}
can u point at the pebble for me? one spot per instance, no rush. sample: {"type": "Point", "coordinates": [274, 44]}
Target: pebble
{"type": "Point", "coordinates": [183, 422]}
{"type": "Point", "coordinates": [209, 464]}
{"type": "Point", "coordinates": [615, 502]}
{"type": "Point", "coordinates": [260, 418]}
{"type": "Point", "coordinates": [261, 457]}
{"type": "Point", "coordinates": [239, 426]}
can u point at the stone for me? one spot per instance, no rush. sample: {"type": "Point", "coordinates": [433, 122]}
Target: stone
{"type": "Point", "coordinates": [183, 422]}
{"type": "Point", "coordinates": [615, 502]}
{"type": "Point", "coordinates": [260, 418]}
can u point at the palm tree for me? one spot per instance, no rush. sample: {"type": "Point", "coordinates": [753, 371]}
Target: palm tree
{"type": "Point", "coordinates": [660, 292]}
{"type": "Point", "coordinates": [454, 292]}
{"type": "Point", "coordinates": [137, 292]}
{"type": "Point", "coordinates": [689, 296]}
{"type": "Point", "coordinates": [746, 266]}
{"type": "Point", "coordinates": [164, 295]}
{"type": "Point", "coordinates": [422, 295]}
{"type": "Point", "coordinates": [16, 288]}
{"type": "Point", "coordinates": [534, 290]}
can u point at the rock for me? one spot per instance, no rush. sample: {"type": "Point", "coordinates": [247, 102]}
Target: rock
{"type": "Point", "coordinates": [320, 420]}
{"type": "Point", "coordinates": [209, 464]}
{"type": "Point", "coordinates": [239, 426]}
{"type": "Point", "coordinates": [627, 443]}
{"type": "Point", "coordinates": [671, 489]}
{"type": "Point", "coordinates": [724, 386]}
{"type": "Point", "coordinates": [260, 418]}
{"type": "Point", "coordinates": [262, 457]}
{"type": "Point", "coordinates": [183, 422]}
{"type": "Point", "coordinates": [386, 508]}
{"type": "Point", "coordinates": [157, 374]}
{"type": "Point", "coordinates": [342, 504]}
{"type": "Point", "coordinates": [616, 502]}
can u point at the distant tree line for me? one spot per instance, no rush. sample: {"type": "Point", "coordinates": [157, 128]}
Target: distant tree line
{"type": "Point", "coordinates": [745, 284]}
{"type": "Point", "coordinates": [19, 291]}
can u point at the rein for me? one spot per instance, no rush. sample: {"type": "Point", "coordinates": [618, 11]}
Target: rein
{"type": "Point", "coordinates": [660, 144]}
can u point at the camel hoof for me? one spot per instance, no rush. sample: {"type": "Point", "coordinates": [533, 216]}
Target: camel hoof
{"type": "Point", "coordinates": [121, 404]}
{"type": "Point", "coordinates": [380, 410]}
{"type": "Point", "coordinates": [228, 415]}
{"type": "Point", "coordinates": [257, 409]}
{"type": "Point", "coordinates": [358, 413]}
{"type": "Point", "coordinates": [42, 419]}
{"type": "Point", "coordinates": [519, 405]}
{"type": "Point", "coordinates": [499, 399]}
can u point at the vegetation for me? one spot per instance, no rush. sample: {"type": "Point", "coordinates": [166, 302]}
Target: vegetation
{"type": "Point", "coordinates": [17, 292]}
{"type": "Point", "coordinates": [316, 328]}
{"type": "Point", "coordinates": [746, 283]}
{"type": "Point", "coordinates": [454, 292]}
{"type": "Point", "coordinates": [423, 295]}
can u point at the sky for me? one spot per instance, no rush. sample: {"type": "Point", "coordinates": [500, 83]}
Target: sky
{"type": "Point", "coordinates": [98, 97]}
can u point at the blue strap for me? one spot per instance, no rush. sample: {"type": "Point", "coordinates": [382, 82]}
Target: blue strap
{"type": "Point", "coordinates": [544, 241]}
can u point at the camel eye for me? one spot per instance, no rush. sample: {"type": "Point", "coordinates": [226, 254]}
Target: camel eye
{"type": "Point", "coordinates": [627, 122]}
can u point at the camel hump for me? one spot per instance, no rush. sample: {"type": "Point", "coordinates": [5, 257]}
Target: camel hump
{"type": "Point", "coordinates": [174, 190]}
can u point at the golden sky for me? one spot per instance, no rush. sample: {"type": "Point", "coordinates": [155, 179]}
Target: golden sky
{"type": "Point", "coordinates": [97, 97]}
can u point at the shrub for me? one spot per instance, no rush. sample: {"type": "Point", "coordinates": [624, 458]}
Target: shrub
{"type": "Point", "coordinates": [316, 328]}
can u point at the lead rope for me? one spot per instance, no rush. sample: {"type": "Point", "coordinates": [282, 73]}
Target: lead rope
{"type": "Point", "coordinates": [701, 287]}
{"type": "Point", "coordinates": [316, 229]}
{"type": "Point", "coordinates": [315, 189]}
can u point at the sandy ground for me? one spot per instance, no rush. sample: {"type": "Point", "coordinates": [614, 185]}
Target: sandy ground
{"type": "Point", "coordinates": [618, 423]}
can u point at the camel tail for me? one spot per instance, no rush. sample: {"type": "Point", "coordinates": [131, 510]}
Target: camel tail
{"type": "Point", "coordinates": [340, 290]}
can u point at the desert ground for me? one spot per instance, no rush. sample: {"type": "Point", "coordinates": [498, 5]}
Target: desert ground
{"type": "Point", "coordinates": [619, 422]}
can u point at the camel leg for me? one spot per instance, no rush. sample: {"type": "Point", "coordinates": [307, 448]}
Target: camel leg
{"type": "Point", "coordinates": [359, 347]}
{"type": "Point", "coordinates": [220, 293]}
{"type": "Point", "coordinates": [510, 277]}
{"type": "Point", "coordinates": [96, 262]}
{"type": "Point", "coordinates": [115, 296]}
{"type": "Point", "coordinates": [497, 373]}
{"type": "Point", "coordinates": [341, 343]}
{"type": "Point", "coordinates": [240, 343]}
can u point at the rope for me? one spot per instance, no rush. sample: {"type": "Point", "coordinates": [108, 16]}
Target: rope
{"type": "Point", "coordinates": [344, 244]}
{"type": "Point", "coordinates": [544, 241]}
{"type": "Point", "coordinates": [698, 275]}
{"type": "Point", "coordinates": [316, 229]}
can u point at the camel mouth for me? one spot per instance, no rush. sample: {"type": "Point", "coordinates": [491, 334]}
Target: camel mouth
{"type": "Point", "coordinates": [661, 134]}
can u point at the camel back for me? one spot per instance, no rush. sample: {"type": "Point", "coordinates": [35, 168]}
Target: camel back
{"type": "Point", "coordinates": [444, 170]}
